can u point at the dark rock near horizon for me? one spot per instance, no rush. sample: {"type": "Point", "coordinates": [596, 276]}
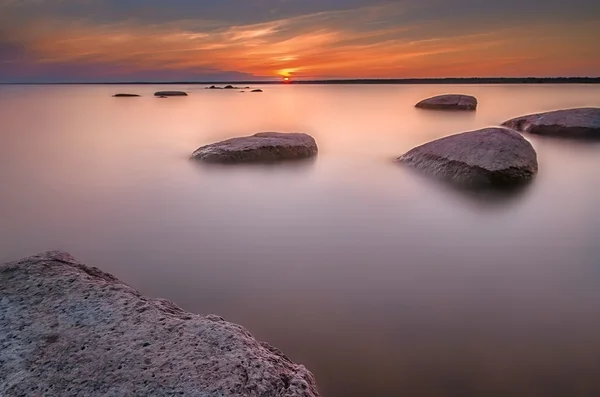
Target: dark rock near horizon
{"type": "Point", "coordinates": [261, 147]}
{"type": "Point", "coordinates": [449, 102]}
{"type": "Point", "coordinates": [490, 157]}
{"type": "Point", "coordinates": [170, 93]}
{"type": "Point", "coordinates": [125, 95]}
{"type": "Point", "coordinates": [579, 123]}
{"type": "Point", "coordinates": [229, 87]}
{"type": "Point", "coordinates": [257, 90]}
{"type": "Point", "coordinates": [73, 330]}
{"type": "Point", "coordinates": [213, 87]}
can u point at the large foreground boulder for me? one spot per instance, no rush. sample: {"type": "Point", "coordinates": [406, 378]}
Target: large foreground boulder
{"type": "Point", "coordinates": [67, 329]}
{"type": "Point", "coordinates": [568, 123]}
{"type": "Point", "coordinates": [449, 102]}
{"type": "Point", "coordinates": [170, 93]}
{"type": "Point", "coordinates": [261, 147]}
{"type": "Point", "coordinates": [490, 157]}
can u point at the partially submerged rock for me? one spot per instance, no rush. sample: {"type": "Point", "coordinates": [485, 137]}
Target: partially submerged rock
{"type": "Point", "coordinates": [170, 93]}
{"type": "Point", "coordinates": [73, 330]}
{"type": "Point", "coordinates": [257, 90]}
{"type": "Point", "coordinates": [449, 102]}
{"type": "Point", "coordinates": [213, 87]}
{"type": "Point", "coordinates": [490, 157]}
{"type": "Point", "coordinates": [261, 147]}
{"type": "Point", "coordinates": [568, 123]}
{"type": "Point", "coordinates": [125, 95]}
{"type": "Point", "coordinates": [229, 87]}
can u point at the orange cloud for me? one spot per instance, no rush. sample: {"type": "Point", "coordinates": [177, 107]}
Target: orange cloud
{"type": "Point", "coordinates": [316, 45]}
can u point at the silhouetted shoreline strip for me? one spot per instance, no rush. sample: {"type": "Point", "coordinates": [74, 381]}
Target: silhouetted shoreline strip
{"type": "Point", "coordinates": [474, 80]}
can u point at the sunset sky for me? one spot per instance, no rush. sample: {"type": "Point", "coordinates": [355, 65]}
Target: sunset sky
{"type": "Point", "coordinates": [154, 40]}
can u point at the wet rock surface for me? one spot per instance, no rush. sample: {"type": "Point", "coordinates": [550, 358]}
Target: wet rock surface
{"type": "Point", "coordinates": [579, 123]}
{"type": "Point", "coordinates": [491, 157]}
{"type": "Point", "coordinates": [72, 330]}
{"type": "Point", "coordinates": [262, 147]}
{"type": "Point", "coordinates": [170, 93]}
{"type": "Point", "coordinates": [449, 102]}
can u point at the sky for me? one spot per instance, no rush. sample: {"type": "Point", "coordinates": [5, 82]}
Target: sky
{"type": "Point", "coordinates": [228, 40]}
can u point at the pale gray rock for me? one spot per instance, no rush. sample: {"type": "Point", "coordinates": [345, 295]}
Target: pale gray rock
{"type": "Point", "coordinates": [449, 102]}
{"type": "Point", "coordinates": [261, 147]}
{"type": "Point", "coordinates": [484, 158]}
{"type": "Point", "coordinates": [67, 329]}
{"type": "Point", "coordinates": [567, 123]}
{"type": "Point", "coordinates": [170, 93]}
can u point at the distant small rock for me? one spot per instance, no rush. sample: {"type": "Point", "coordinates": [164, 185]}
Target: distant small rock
{"type": "Point", "coordinates": [242, 91]}
{"type": "Point", "coordinates": [73, 330]}
{"type": "Point", "coordinates": [579, 123]}
{"type": "Point", "coordinates": [257, 90]}
{"type": "Point", "coordinates": [261, 147]}
{"type": "Point", "coordinates": [490, 157]}
{"type": "Point", "coordinates": [449, 102]}
{"type": "Point", "coordinates": [213, 87]}
{"type": "Point", "coordinates": [125, 95]}
{"type": "Point", "coordinates": [170, 93]}
{"type": "Point", "coordinates": [229, 87]}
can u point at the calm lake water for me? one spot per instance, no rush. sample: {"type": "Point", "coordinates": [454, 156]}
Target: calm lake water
{"type": "Point", "coordinates": [380, 281]}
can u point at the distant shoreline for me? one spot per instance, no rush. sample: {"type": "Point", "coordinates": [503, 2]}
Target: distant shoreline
{"type": "Point", "coordinates": [483, 80]}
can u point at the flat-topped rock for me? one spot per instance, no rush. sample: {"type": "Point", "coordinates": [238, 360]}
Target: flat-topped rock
{"type": "Point", "coordinates": [449, 102]}
{"type": "Point", "coordinates": [261, 147]}
{"type": "Point", "coordinates": [257, 90]}
{"type": "Point", "coordinates": [170, 93]}
{"type": "Point", "coordinates": [569, 123]}
{"type": "Point", "coordinates": [125, 95]}
{"type": "Point", "coordinates": [490, 157]}
{"type": "Point", "coordinates": [73, 330]}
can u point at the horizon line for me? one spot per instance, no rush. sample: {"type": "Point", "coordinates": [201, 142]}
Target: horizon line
{"type": "Point", "coordinates": [427, 80]}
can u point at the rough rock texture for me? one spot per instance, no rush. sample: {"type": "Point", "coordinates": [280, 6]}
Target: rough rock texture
{"type": "Point", "coordinates": [125, 95]}
{"type": "Point", "coordinates": [257, 90]}
{"type": "Point", "coordinates": [483, 158]}
{"type": "Point", "coordinates": [170, 93]}
{"type": "Point", "coordinates": [261, 147]}
{"type": "Point", "coordinates": [568, 123]}
{"type": "Point", "coordinates": [449, 102]}
{"type": "Point", "coordinates": [71, 330]}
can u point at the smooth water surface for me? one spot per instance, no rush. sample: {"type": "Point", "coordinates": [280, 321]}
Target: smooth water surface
{"type": "Point", "coordinates": [382, 282]}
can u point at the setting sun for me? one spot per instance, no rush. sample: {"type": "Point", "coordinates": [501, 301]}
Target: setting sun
{"type": "Point", "coordinates": [286, 79]}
